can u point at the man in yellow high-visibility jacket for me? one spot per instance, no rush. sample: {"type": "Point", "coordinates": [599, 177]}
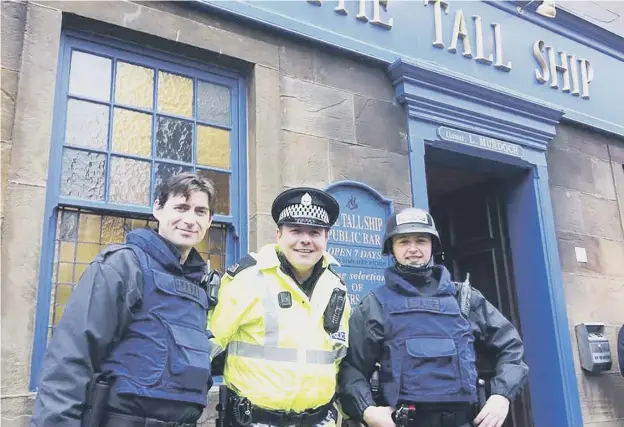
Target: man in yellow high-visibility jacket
{"type": "Point", "coordinates": [283, 318]}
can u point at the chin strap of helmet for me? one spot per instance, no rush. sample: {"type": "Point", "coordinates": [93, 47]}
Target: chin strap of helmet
{"type": "Point", "coordinates": [412, 269]}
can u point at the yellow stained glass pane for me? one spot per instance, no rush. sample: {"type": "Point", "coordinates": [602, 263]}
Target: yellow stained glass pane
{"type": "Point", "coordinates": [203, 245]}
{"type": "Point", "coordinates": [175, 94]}
{"type": "Point", "coordinates": [137, 223]}
{"type": "Point", "coordinates": [213, 147]}
{"type": "Point", "coordinates": [134, 85]}
{"type": "Point", "coordinates": [221, 181]}
{"type": "Point", "coordinates": [112, 230]}
{"type": "Point", "coordinates": [58, 312]}
{"type": "Point", "coordinates": [67, 252]}
{"type": "Point", "coordinates": [89, 228]}
{"type": "Point", "coordinates": [78, 270]}
{"type": "Point", "coordinates": [132, 132]}
{"type": "Point", "coordinates": [63, 292]}
{"type": "Point", "coordinates": [86, 252]}
{"type": "Point", "coordinates": [65, 272]}
{"type": "Point", "coordinates": [215, 262]}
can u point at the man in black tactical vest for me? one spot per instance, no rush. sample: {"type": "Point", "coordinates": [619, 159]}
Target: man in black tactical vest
{"type": "Point", "coordinates": [131, 349]}
{"type": "Point", "coordinates": [413, 326]}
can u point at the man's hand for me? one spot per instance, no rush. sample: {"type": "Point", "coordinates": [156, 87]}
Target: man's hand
{"type": "Point", "coordinates": [494, 412]}
{"type": "Point", "coordinates": [379, 416]}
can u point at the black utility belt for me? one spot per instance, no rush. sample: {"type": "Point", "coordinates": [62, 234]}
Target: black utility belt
{"type": "Point", "coordinates": [245, 413]}
{"type": "Point", "coordinates": [424, 415]}
{"type": "Point", "coordinates": [263, 416]}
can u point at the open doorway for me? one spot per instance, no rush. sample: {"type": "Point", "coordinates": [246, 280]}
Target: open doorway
{"type": "Point", "coordinates": [467, 199]}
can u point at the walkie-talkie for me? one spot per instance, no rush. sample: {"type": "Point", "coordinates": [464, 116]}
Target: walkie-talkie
{"type": "Point", "coordinates": [212, 281]}
{"type": "Point", "coordinates": [334, 310]}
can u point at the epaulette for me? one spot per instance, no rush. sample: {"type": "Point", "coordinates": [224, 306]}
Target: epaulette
{"type": "Point", "coordinates": [242, 264]}
{"type": "Point", "coordinates": [111, 249]}
{"type": "Point", "coordinates": [331, 268]}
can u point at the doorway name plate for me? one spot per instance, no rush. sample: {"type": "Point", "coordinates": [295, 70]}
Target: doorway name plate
{"type": "Point", "coordinates": [491, 144]}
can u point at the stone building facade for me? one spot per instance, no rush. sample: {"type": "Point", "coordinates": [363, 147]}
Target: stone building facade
{"type": "Point", "coordinates": [309, 115]}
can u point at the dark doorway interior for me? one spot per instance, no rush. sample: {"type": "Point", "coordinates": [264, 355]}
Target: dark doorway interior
{"type": "Point", "coordinates": [469, 209]}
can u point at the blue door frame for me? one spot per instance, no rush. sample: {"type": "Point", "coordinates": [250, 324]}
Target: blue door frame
{"type": "Point", "coordinates": [434, 100]}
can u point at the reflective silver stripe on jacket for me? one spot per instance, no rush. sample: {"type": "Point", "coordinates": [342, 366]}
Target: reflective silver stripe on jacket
{"type": "Point", "coordinates": [320, 357]}
{"type": "Point", "coordinates": [256, 351]}
{"type": "Point", "coordinates": [279, 354]}
{"type": "Point", "coordinates": [271, 310]}
{"type": "Point", "coordinates": [215, 349]}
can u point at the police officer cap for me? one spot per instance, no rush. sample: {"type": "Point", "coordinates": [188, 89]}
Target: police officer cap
{"type": "Point", "coordinates": [410, 220]}
{"type": "Point", "coordinates": [307, 206]}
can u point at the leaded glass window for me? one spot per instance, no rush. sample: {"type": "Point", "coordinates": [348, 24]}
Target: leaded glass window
{"type": "Point", "coordinates": [81, 234]}
{"type": "Point", "coordinates": [129, 126]}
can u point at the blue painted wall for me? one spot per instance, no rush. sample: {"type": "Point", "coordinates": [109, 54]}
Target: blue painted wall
{"type": "Point", "coordinates": [413, 33]}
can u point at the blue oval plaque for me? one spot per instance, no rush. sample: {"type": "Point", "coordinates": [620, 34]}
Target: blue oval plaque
{"type": "Point", "coordinates": [355, 240]}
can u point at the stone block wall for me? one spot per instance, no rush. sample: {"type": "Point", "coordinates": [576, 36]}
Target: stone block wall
{"type": "Point", "coordinates": [587, 186]}
{"type": "Point", "coordinates": [30, 40]}
{"type": "Point", "coordinates": [12, 28]}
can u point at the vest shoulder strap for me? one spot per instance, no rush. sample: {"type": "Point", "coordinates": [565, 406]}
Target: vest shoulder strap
{"type": "Point", "coordinates": [140, 254]}
{"type": "Point", "coordinates": [242, 264]}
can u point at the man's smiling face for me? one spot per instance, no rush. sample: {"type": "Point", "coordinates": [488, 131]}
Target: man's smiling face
{"type": "Point", "coordinates": [302, 245]}
{"type": "Point", "coordinates": [184, 221]}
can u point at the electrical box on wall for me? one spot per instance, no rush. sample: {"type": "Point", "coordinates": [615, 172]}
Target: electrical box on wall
{"type": "Point", "coordinates": [594, 350]}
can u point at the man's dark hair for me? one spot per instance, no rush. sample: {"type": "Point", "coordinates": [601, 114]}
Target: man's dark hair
{"type": "Point", "coordinates": [183, 184]}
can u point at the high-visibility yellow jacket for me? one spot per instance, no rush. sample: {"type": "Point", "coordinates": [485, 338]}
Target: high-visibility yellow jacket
{"type": "Point", "coordinates": [280, 358]}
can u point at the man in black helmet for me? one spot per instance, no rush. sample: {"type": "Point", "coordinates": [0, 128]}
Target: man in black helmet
{"type": "Point", "coordinates": [415, 329]}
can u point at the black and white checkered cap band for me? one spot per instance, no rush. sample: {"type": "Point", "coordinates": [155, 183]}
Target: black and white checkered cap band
{"type": "Point", "coordinates": [300, 211]}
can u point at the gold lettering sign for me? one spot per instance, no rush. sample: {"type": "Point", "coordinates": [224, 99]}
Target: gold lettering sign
{"type": "Point", "coordinates": [377, 12]}
{"type": "Point", "coordinates": [438, 5]}
{"type": "Point", "coordinates": [461, 32]}
{"type": "Point", "coordinates": [363, 8]}
{"type": "Point", "coordinates": [479, 40]}
{"type": "Point", "coordinates": [576, 73]}
{"type": "Point", "coordinates": [498, 42]}
{"type": "Point", "coordinates": [548, 70]}
{"type": "Point", "coordinates": [341, 8]}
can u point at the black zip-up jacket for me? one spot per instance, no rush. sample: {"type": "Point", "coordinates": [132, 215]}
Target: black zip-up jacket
{"type": "Point", "coordinates": [98, 313]}
{"type": "Point", "coordinates": [492, 332]}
